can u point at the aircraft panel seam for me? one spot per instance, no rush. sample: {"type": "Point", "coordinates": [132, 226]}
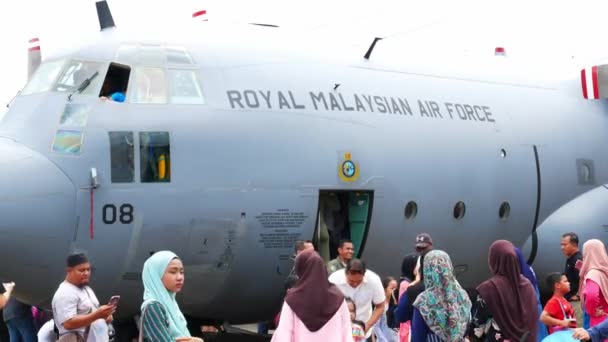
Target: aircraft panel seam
{"type": "Point", "coordinates": [518, 85]}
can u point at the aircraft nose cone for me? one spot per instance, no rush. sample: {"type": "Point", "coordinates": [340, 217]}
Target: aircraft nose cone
{"type": "Point", "coordinates": [37, 214]}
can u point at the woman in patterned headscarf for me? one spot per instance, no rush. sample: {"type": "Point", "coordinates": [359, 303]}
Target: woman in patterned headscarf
{"type": "Point", "coordinates": [444, 306]}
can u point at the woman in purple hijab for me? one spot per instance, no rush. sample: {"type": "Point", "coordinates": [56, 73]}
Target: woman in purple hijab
{"type": "Point", "coordinates": [528, 272]}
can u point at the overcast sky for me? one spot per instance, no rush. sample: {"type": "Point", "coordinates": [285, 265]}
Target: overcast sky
{"type": "Point", "coordinates": [533, 31]}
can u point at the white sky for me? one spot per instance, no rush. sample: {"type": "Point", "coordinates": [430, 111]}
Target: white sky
{"type": "Point", "coordinates": [534, 31]}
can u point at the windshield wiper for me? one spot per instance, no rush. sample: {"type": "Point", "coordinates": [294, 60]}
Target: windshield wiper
{"type": "Point", "coordinates": [83, 85]}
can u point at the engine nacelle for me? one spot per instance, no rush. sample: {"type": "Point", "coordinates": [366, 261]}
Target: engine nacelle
{"type": "Point", "coordinates": [586, 215]}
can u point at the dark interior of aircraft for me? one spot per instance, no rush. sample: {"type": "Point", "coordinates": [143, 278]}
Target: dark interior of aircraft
{"type": "Point", "coordinates": [117, 80]}
{"type": "Point", "coordinates": [342, 214]}
{"type": "Point", "coordinates": [155, 155]}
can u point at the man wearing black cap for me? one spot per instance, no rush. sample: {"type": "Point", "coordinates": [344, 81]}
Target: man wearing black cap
{"type": "Point", "coordinates": [76, 310]}
{"type": "Point", "coordinates": [424, 243]}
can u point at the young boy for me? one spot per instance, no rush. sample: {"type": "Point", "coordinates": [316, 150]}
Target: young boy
{"type": "Point", "coordinates": [558, 313]}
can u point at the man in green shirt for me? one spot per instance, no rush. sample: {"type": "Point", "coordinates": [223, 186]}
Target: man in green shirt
{"type": "Point", "coordinates": [346, 249]}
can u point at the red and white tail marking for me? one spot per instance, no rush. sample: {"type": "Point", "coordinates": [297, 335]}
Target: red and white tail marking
{"type": "Point", "coordinates": [34, 44]}
{"type": "Point", "coordinates": [202, 15]}
{"type": "Point", "coordinates": [590, 84]}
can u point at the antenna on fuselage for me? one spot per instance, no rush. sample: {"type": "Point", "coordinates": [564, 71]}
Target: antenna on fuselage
{"type": "Point", "coordinates": [33, 57]}
{"type": "Point", "coordinates": [371, 48]}
{"type": "Point", "coordinates": [265, 25]}
{"type": "Point", "coordinates": [105, 16]}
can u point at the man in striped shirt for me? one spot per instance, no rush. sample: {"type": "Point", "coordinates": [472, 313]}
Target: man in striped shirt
{"type": "Point", "coordinates": [162, 320]}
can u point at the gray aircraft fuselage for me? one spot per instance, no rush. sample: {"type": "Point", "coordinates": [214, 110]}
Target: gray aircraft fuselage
{"type": "Point", "coordinates": [247, 168]}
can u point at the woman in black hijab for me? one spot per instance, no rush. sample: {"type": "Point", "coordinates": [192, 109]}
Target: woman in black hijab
{"type": "Point", "coordinates": [405, 309]}
{"type": "Point", "coordinates": [314, 309]}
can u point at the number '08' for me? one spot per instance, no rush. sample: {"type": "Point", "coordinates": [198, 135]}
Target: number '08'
{"type": "Point", "coordinates": [123, 214]}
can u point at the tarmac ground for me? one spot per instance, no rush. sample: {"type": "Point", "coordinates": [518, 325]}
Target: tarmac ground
{"type": "Point", "coordinates": [240, 333]}
{"type": "Point", "coordinates": [234, 337]}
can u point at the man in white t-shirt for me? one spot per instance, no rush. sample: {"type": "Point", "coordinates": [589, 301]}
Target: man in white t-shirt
{"type": "Point", "coordinates": [364, 287]}
{"type": "Point", "coordinates": [46, 333]}
{"type": "Point", "coordinates": [76, 310]}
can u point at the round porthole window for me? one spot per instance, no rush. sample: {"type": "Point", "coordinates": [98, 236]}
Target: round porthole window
{"type": "Point", "coordinates": [504, 211]}
{"type": "Point", "coordinates": [459, 210]}
{"type": "Point", "coordinates": [411, 209]}
{"type": "Point", "coordinates": [503, 153]}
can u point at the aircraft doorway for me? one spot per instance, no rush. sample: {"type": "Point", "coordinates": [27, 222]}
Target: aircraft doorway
{"type": "Point", "coordinates": [342, 214]}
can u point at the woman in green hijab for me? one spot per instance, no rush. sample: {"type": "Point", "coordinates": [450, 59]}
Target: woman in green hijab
{"type": "Point", "coordinates": [162, 320]}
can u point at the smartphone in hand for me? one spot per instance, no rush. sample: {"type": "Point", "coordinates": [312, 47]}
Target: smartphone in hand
{"type": "Point", "coordinates": [114, 300]}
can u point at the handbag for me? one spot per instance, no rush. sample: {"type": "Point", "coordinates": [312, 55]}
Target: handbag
{"type": "Point", "coordinates": [140, 338]}
{"type": "Point", "coordinates": [557, 328]}
{"type": "Point", "coordinates": [560, 336]}
{"type": "Point", "coordinates": [73, 337]}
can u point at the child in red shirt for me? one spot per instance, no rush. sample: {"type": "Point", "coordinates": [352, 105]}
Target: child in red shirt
{"type": "Point", "coordinates": [558, 313]}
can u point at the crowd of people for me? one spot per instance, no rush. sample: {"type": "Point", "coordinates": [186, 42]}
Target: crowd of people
{"type": "Point", "coordinates": [343, 300]}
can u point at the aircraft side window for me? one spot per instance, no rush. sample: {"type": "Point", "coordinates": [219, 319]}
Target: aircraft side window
{"type": "Point", "coordinates": [184, 87]}
{"type": "Point", "coordinates": [155, 157]}
{"type": "Point", "coordinates": [150, 86]}
{"type": "Point", "coordinates": [68, 141]}
{"type": "Point", "coordinates": [122, 158]}
{"type": "Point", "coordinates": [74, 115]}
{"type": "Point", "coordinates": [76, 72]}
{"type": "Point", "coordinates": [116, 83]}
{"type": "Point", "coordinates": [44, 78]}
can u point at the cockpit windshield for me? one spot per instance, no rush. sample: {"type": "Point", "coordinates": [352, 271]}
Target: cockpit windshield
{"type": "Point", "coordinates": [44, 78]}
{"type": "Point", "coordinates": [77, 72]}
{"type": "Point", "coordinates": [66, 76]}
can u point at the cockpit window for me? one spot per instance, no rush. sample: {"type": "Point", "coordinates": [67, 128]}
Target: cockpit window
{"type": "Point", "coordinates": [66, 76]}
{"type": "Point", "coordinates": [161, 74]}
{"type": "Point", "coordinates": [116, 82]}
{"type": "Point", "coordinates": [44, 78]}
{"type": "Point", "coordinates": [150, 86]}
{"type": "Point", "coordinates": [77, 72]}
{"type": "Point", "coordinates": [127, 54]}
{"type": "Point", "coordinates": [184, 87]}
{"type": "Point", "coordinates": [151, 55]}
{"type": "Point", "coordinates": [178, 55]}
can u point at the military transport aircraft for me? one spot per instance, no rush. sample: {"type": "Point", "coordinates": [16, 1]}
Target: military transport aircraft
{"type": "Point", "coordinates": [229, 146]}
